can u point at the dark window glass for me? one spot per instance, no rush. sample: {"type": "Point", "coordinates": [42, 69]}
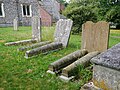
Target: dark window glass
{"type": "Point", "coordinates": [0, 9]}
{"type": "Point", "coordinates": [24, 10]}
{"type": "Point", "coordinates": [28, 10]}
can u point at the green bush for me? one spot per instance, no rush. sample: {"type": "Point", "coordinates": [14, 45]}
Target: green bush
{"type": "Point", "coordinates": [80, 15]}
{"type": "Point", "coordinates": [113, 15]}
{"type": "Point", "coordinates": [81, 11]}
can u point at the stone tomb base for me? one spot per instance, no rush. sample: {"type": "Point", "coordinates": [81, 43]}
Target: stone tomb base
{"type": "Point", "coordinates": [106, 69]}
{"type": "Point", "coordinates": [106, 78]}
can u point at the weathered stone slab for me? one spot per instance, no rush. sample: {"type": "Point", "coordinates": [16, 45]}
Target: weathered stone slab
{"type": "Point", "coordinates": [63, 29]}
{"type": "Point", "coordinates": [90, 86]}
{"type": "Point", "coordinates": [43, 49]}
{"type": "Point", "coordinates": [36, 28]}
{"type": "Point", "coordinates": [23, 42]}
{"type": "Point", "coordinates": [95, 36]}
{"type": "Point", "coordinates": [33, 46]}
{"type": "Point", "coordinates": [72, 69]}
{"type": "Point", "coordinates": [109, 58]}
{"type": "Point", "coordinates": [15, 24]}
{"type": "Point", "coordinates": [63, 62]}
{"type": "Point", "coordinates": [106, 69]}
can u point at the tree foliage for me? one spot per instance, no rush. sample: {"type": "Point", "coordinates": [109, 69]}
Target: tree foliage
{"type": "Point", "coordinates": [62, 1]}
{"type": "Point", "coordinates": [81, 11]}
{"type": "Point", "coordinates": [113, 15]}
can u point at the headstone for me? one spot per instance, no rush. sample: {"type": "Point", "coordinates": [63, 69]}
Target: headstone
{"type": "Point", "coordinates": [106, 69]}
{"type": "Point", "coordinates": [95, 36]}
{"type": "Point", "coordinates": [36, 33]}
{"type": "Point", "coordinates": [15, 24]}
{"type": "Point", "coordinates": [63, 29]}
{"type": "Point", "coordinates": [62, 35]}
{"type": "Point", "coordinates": [36, 28]}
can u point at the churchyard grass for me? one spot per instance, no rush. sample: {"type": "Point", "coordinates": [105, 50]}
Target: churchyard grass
{"type": "Point", "coordinates": [16, 72]}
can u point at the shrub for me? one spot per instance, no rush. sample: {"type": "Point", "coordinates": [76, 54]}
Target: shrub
{"type": "Point", "coordinates": [113, 15]}
{"type": "Point", "coordinates": [79, 15]}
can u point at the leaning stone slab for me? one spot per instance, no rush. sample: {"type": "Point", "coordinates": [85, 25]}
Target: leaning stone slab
{"type": "Point", "coordinates": [33, 46]}
{"type": "Point", "coordinates": [72, 69]}
{"type": "Point", "coordinates": [63, 29]}
{"type": "Point", "coordinates": [95, 36]}
{"type": "Point", "coordinates": [63, 62]}
{"type": "Point", "coordinates": [23, 42]}
{"type": "Point", "coordinates": [106, 69]}
{"type": "Point", "coordinates": [43, 49]}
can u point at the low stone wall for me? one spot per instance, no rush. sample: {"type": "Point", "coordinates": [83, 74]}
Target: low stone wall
{"type": "Point", "coordinates": [6, 25]}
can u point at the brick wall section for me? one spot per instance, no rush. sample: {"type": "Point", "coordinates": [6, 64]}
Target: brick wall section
{"type": "Point", "coordinates": [46, 18]}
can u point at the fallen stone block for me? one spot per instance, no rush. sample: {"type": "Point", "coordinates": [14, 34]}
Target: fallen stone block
{"type": "Point", "coordinates": [66, 79]}
{"type": "Point", "coordinates": [33, 46]}
{"type": "Point", "coordinates": [73, 69]}
{"type": "Point", "coordinates": [63, 62]}
{"type": "Point", "coordinates": [90, 86]}
{"type": "Point", "coordinates": [106, 69]}
{"type": "Point", "coordinates": [43, 49]}
{"type": "Point", "coordinates": [23, 42]}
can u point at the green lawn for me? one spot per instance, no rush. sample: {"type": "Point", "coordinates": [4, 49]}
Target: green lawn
{"type": "Point", "coordinates": [18, 73]}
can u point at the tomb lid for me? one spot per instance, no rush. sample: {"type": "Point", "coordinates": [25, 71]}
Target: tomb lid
{"type": "Point", "coordinates": [109, 58]}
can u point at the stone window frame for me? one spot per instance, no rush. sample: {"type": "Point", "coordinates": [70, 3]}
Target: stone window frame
{"type": "Point", "coordinates": [2, 9]}
{"type": "Point", "coordinates": [30, 10]}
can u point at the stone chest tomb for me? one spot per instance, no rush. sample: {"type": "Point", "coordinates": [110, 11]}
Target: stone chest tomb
{"type": "Point", "coordinates": [106, 69]}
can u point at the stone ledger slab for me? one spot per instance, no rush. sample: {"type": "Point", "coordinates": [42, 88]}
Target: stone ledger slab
{"type": "Point", "coordinates": [67, 60]}
{"type": "Point", "coordinates": [73, 69]}
{"type": "Point", "coordinates": [109, 58]}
